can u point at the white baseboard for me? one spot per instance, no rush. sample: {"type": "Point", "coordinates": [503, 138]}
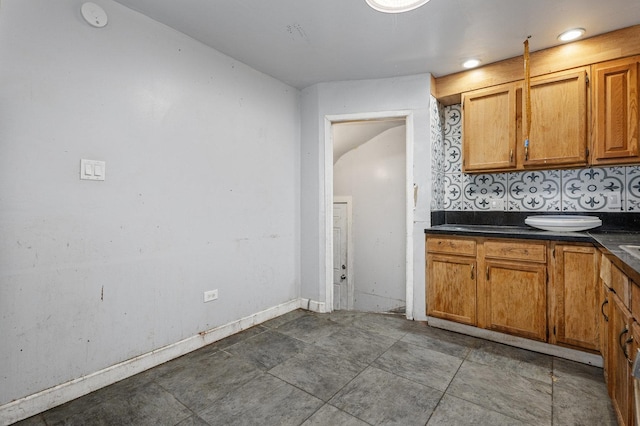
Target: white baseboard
{"type": "Point", "coordinates": [520, 342]}
{"type": "Point", "coordinates": [313, 306]}
{"type": "Point", "coordinates": [44, 400]}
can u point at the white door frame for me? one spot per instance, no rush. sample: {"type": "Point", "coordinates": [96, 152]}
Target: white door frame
{"type": "Point", "coordinates": [348, 200]}
{"type": "Point", "coordinates": [328, 198]}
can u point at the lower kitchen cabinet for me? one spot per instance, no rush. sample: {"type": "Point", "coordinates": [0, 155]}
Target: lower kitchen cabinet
{"type": "Point", "coordinates": [620, 334]}
{"type": "Point", "coordinates": [517, 298]}
{"type": "Point", "coordinates": [451, 272]}
{"type": "Point", "coordinates": [620, 339]}
{"type": "Point", "coordinates": [504, 285]}
{"type": "Point", "coordinates": [515, 284]}
{"type": "Point", "coordinates": [574, 311]}
{"type": "Point", "coordinates": [635, 347]}
{"type": "Point", "coordinates": [562, 293]}
{"type": "Point", "coordinates": [603, 327]}
{"type": "Point", "coordinates": [452, 295]}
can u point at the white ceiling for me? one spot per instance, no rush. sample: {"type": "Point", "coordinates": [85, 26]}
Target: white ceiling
{"type": "Point", "coordinates": [350, 135]}
{"type": "Point", "coordinates": [303, 42]}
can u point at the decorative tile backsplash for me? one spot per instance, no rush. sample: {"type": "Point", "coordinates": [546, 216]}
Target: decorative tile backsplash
{"type": "Point", "coordinates": [594, 189]}
{"type": "Point", "coordinates": [534, 191]}
{"type": "Point", "coordinates": [437, 152]}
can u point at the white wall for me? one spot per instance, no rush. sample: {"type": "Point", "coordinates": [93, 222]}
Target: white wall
{"type": "Point", "coordinates": [409, 93]}
{"type": "Point", "coordinates": [373, 174]}
{"type": "Point", "coordinates": [202, 166]}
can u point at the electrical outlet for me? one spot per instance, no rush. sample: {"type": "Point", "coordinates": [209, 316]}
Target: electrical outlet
{"type": "Point", "coordinates": [613, 201]}
{"type": "Point", "coordinates": [210, 295]}
{"type": "Point", "coordinates": [496, 204]}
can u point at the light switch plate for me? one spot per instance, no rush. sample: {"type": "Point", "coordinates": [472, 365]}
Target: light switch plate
{"type": "Point", "coordinates": [92, 169]}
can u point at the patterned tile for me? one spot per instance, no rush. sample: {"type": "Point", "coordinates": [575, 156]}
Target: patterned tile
{"type": "Point", "coordinates": [453, 191]}
{"type": "Point", "coordinates": [437, 139]}
{"type": "Point", "coordinates": [453, 139]}
{"type": "Point", "coordinates": [586, 190]}
{"type": "Point", "coordinates": [632, 174]}
{"type": "Point", "coordinates": [437, 202]}
{"type": "Point", "coordinates": [534, 191]}
{"type": "Point", "coordinates": [437, 155]}
{"type": "Point", "coordinates": [579, 190]}
{"type": "Point", "coordinates": [481, 189]}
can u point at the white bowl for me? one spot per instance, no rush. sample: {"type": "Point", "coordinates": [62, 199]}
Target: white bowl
{"type": "Point", "coordinates": [563, 223]}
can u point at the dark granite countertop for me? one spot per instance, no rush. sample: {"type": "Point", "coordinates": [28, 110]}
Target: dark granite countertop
{"type": "Point", "coordinates": [609, 241]}
{"type": "Point", "coordinates": [523, 232]}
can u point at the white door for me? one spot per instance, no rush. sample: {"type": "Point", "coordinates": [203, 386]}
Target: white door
{"type": "Point", "coordinates": [340, 273]}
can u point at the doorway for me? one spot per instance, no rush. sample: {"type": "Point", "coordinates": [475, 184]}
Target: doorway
{"type": "Point", "coordinates": [404, 119]}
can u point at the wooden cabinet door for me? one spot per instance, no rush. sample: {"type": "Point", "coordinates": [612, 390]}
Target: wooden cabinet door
{"type": "Point", "coordinates": [451, 288]}
{"type": "Point", "coordinates": [576, 296]}
{"type": "Point", "coordinates": [605, 314]}
{"type": "Point", "coordinates": [558, 134]}
{"type": "Point", "coordinates": [635, 387]}
{"type": "Point", "coordinates": [489, 128]}
{"type": "Point", "coordinates": [517, 298]}
{"type": "Point", "coordinates": [615, 112]}
{"type": "Point", "coordinates": [619, 369]}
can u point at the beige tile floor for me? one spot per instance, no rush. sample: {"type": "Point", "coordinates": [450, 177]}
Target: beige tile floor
{"type": "Point", "coordinates": [349, 368]}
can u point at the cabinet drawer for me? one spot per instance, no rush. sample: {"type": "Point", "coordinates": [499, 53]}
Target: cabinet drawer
{"type": "Point", "coordinates": [516, 250]}
{"type": "Point", "coordinates": [635, 299]}
{"type": "Point", "coordinates": [459, 246]}
{"type": "Point", "coordinates": [605, 270]}
{"type": "Point", "coordinates": [620, 285]}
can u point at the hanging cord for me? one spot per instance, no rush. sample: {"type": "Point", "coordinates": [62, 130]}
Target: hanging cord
{"type": "Point", "coordinates": [527, 95]}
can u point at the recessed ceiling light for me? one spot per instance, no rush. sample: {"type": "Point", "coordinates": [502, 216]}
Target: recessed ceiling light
{"type": "Point", "coordinates": [471, 63]}
{"type": "Point", "coordinates": [571, 34]}
{"type": "Point", "coordinates": [395, 6]}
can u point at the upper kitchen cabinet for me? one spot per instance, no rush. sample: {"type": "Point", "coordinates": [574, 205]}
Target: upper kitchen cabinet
{"type": "Point", "coordinates": [489, 128]}
{"type": "Point", "coordinates": [493, 122]}
{"type": "Point", "coordinates": [615, 112]}
{"type": "Point", "coordinates": [558, 135]}
{"type": "Point", "coordinates": [584, 107]}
